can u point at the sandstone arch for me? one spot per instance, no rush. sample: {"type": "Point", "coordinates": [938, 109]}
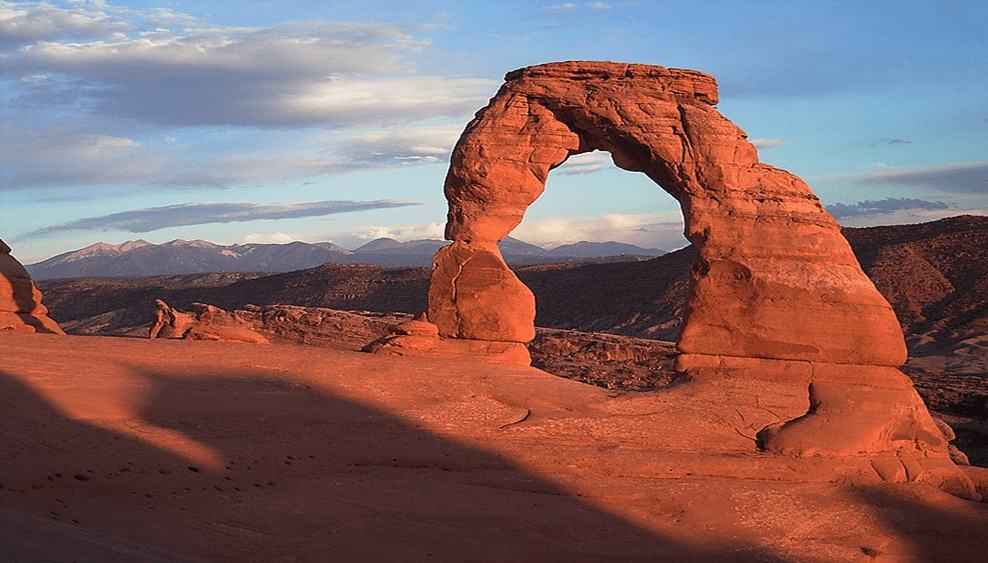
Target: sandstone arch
{"type": "Point", "coordinates": [771, 258]}
{"type": "Point", "coordinates": [777, 294]}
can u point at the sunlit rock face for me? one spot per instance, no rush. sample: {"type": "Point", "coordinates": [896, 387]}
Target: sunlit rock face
{"type": "Point", "coordinates": [777, 294]}
{"type": "Point", "coordinates": [20, 300]}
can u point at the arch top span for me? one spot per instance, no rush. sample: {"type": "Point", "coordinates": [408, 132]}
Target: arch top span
{"type": "Point", "coordinates": [681, 81]}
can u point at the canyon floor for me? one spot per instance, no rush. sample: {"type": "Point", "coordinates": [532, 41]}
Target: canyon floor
{"type": "Point", "coordinates": [124, 449]}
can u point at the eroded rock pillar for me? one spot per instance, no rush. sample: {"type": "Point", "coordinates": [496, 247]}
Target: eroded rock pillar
{"type": "Point", "coordinates": [475, 296]}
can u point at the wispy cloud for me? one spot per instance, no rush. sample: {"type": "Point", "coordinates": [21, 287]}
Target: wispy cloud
{"type": "Point", "coordinates": [155, 218]}
{"type": "Point", "coordinates": [952, 178]}
{"type": "Point", "coordinates": [891, 142]}
{"type": "Point", "coordinates": [171, 69]}
{"type": "Point", "coordinates": [585, 163]}
{"type": "Point", "coordinates": [57, 157]}
{"type": "Point", "coordinates": [767, 143]}
{"type": "Point", "coordinates": [884, 206]}
{"type": "Point", "coordinates": [390, 147]}
{"type": "Point", "coordinates": [559, 9]}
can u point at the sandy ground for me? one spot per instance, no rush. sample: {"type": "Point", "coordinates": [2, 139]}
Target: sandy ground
{"type": "Point", "coordinates": [117, 449]}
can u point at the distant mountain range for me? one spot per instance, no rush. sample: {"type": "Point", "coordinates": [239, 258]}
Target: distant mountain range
{"type": "Point", "coordinates": [141, 258]}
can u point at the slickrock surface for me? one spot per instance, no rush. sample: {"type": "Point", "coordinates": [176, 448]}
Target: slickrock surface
{"type": "Point", "coordinates": [777, 295]}
{"type": "Point", "coordinates": [20, 300]}
{"type": "Point", "coordinates": [123, 450]}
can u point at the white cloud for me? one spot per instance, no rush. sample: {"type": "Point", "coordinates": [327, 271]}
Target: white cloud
{"type": "Point", "coordinates": [585, 163]}
{"type": "Point", "coordinates": [169, 68]}
{"type": "Point", "coordinates": [767, 143]}
{"type": "Point", "coordinates": [397, 146]}
{"type": "Point", "coordinates": [354, 101]}
{"type": "Point", "coordinates": [24, 24]}
{"type": "Point", "coordinates": [91, 91]}
{"type": "Point", "coordinates": [400, 233]}
{"type": "Point", "coordinates": [361, 235]}
{"type": "Point", "coordinates": [268, 238]}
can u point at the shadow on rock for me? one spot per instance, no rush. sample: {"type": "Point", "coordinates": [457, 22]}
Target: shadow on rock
{"type": "Point", "coordinates": [305, 477]}
{"type": "Point", "coordinates": [931, 525]}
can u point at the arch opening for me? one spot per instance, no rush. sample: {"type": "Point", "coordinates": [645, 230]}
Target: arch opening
{"type": "Point", "coordinates": [589, 199]}
{"type": "Point", "coordinates": [602, 319]}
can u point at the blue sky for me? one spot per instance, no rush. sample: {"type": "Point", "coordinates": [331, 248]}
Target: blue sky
{"type": "Point", "coordinates": [255, 121]}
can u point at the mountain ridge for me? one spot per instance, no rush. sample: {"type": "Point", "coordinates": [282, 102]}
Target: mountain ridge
{"type": "Point", "coordinates": [935, 276]}
{"type": "Point", "coordinates": [142, 258]}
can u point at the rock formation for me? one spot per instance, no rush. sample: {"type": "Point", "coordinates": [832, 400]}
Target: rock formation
{"type": "Point", "coordinates": [20, 300]}
{"type": "Point", "coordinates": [205, 322]}
{"type": "Point", "coordinates": [419, 337]}
{"type": "Point", "coordinates": [777, 297]}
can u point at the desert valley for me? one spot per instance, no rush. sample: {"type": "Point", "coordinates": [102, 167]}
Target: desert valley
{"type": "Point", "coordinates": [782, 390]}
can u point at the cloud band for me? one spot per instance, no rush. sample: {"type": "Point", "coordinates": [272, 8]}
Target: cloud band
{"type": "Point", "coordinates": [155, 218]}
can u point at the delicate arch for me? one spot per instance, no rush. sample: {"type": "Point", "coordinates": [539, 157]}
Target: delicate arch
{"type": "Point", "coordinates": [779, 307]}
{"type": "Point", "coordinates": [774, 278]}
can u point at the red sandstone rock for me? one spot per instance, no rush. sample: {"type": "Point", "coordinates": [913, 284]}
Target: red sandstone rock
{"type": "Point", "coordinates": [419, 337]}
{"type": "Point", "coordinates": [20, 300]}
{"type": "Point", "coordinates": [771, 258]}
{"type": "Point", "coordinates": [777, 298]}
{"type": "Point", "coordinates": [205, 322]}
{"type": "Point", "coordinates": [452, 349]}
{"type": "Point", "coordinates": [416, 327]}
{"type": "Point", "coordinates": [475, 296]}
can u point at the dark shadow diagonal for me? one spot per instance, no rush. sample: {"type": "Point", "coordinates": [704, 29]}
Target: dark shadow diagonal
{"type": "Point", "coordinates": [307, 477]}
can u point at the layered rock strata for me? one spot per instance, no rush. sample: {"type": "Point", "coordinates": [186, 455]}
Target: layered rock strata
{"type": "Point", "coordinates": [20, 300]}
{"type": "Point", "coordinates": [419, 337]}
{"type": "Point", "coordinates": [777, 295]}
